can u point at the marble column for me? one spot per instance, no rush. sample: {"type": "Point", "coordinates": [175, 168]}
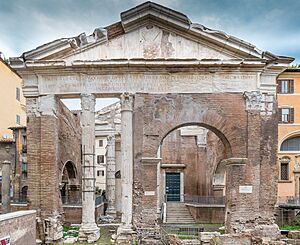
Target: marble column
{"type": "Point", "coordinates": [5, 187]}
{"type": "Point", "coordinates": [88, 231]}
{"type": "Point", "coordinates": [110, 175]}
{"type": "Point", "coordinates": [127, 158]}
{"type": "Point", "coordinates": [125, 232]}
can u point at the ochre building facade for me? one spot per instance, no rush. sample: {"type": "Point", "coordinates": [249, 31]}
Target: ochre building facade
{"type": "Point", "coordinates": [288, 94]}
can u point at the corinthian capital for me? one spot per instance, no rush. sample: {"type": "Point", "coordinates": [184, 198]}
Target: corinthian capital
{"type": "Point", "coordinates": [126, 101]}
{"type": "Point", "coordinates": [88, 102]}
{"type": "Point", "coordinates": [253, 100]}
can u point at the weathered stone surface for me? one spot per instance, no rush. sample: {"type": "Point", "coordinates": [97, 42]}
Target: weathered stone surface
{"type": "Point", "coordinates": [237, 239]}
{"type": "Point", "coordinates": [88, 231]}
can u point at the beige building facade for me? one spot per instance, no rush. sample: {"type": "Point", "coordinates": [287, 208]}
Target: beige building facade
{"type": "Point", "coordinates": [12, 101]}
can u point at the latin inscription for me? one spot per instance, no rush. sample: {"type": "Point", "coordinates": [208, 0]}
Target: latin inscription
{"type": "Point", "coordinates": [148, 83]}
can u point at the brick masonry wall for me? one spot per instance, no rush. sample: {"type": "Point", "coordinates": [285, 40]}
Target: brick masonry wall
{"type": "Point", "coordinates": [52, 140]}
{"type": "Point", "coordinates": [73, 214]}
{"type": "Point", "coordinates": [246, 134]}
{"type": "Point", "coordinates": [156, 115]}
{"type": "Point", "coordinates": [209, 215]}
{"type": "Point", "coordinates": [201, 162]}
{"type": "Point", "coordinates": [20, 226]}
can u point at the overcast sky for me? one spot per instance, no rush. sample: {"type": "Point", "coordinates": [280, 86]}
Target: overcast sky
{"type": "Point", "coordinates": [272, 25]}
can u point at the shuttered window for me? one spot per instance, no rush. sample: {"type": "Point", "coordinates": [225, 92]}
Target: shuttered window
{"type": "Point", "coordinates": [285, 115]}
{"type": "Point", "coordinates": [285, 86]}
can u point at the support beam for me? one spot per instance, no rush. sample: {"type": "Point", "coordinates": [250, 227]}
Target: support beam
{"type": "Point", "coordinates": [88, 231]}
{"type": "Point", "coordinates": [110, 175]}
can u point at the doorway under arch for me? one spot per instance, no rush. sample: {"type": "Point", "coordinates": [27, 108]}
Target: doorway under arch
{"type": "Point", "coordinates": [70, 184]}
{"type": "Point", "coordinates": [191, 172]}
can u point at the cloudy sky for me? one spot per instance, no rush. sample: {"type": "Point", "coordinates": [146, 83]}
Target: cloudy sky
{"type": "Point", "coordinates": [271, 25]}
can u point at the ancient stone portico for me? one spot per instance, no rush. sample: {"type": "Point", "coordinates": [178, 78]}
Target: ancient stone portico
{"type": "Point", "coordinates": [168, 73]}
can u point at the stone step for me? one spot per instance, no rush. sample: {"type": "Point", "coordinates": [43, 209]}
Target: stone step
{"type": "Point", "coordinates": [178, 213]}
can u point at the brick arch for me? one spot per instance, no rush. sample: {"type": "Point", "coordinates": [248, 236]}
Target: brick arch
{"type": "Point", "coordinates": [70, 169]}
{"type": "Point", "coordinates": [223, 114]}
{"type": "Point", "coordinates": [211, 128]}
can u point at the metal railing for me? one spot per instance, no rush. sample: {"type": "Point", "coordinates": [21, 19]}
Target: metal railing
{"type": "Point", "coordinates": [195, 199]}
{"type": "Point", "coordinates": [99, 200]}
{"type": "Point", "coordinates": [186, 232]}
{"type": "Point", "coordinates": [289, 201]}
{"type": "Point", "coordinates": [204, 200]}
{"type": "Point", "coordinates": [77, 201]}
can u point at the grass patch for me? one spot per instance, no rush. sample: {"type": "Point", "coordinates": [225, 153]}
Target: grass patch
{"type": "Point", "coordinates": [289, 227]}
{"type": "Point", "coordinates": [104, 239]}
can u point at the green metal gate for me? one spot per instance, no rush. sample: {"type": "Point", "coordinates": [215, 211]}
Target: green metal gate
{"type": "Point", "coordinates": [173, 187]}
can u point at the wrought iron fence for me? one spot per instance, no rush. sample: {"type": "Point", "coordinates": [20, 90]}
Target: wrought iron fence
{"type": "Point", "coordinates": [288, 201]}
{"type": "Point", "coordinates": [99, 200]}
{"type": "Point", "coordinates": [204, 200]}
{"type": "Point", "coordinates": [66, 200]}
{"type": "Point", "coordinates": [182, 232]}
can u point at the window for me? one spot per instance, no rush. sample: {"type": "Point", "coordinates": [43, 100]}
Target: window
{"type": "Point", "coordinates": [100, 159]}
{"type": "Point", "coordinates": [291, 144]}
{"type": "Point", "coordinates": [100, 173]}
{"type": "Point", "coordinates": [286, 115]}
{"type": "Point", "coordinates": [100, 143]}
{"type": "Point", "coordinates": [18, 94]}
{"type": "Point", "coordinates": [18, 119]}
{"type": "Point", "coordinates": [285, 86]}
{"type": "Point", "coordinates": [284, 171]}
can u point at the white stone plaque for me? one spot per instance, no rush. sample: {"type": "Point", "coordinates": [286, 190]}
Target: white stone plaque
{"type": "Point", "coordinates": [149, 193]}
{"type": "Point", "coordinates": [245, 189]}
{"type": "Point", "coordinates": [5, 240]}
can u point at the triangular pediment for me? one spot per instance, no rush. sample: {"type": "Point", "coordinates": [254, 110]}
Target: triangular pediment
{"type": "Point", "coordinates": [148, 31]}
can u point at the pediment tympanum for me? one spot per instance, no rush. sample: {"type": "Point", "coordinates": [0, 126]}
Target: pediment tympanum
{"type": "Point", "coordinates": [148, 31]}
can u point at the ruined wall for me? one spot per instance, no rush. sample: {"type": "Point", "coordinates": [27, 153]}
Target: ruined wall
{"type": "Point", "coordinates": [201, 161]}
{"type": "Point", "coordinates": [69, 148]}
{"type": "Point", "coordinates": [73, 214]}
{"type": "Point", "coordinates": [248, 132]}
{"type": "Point", "coordinates": [209, 215]}
{"type": "Point", "coordinates": [53, 137]}
{"type": "Point", "coordinates": [19, 226]}
{"type": "Point", "coordinates": [155, 115]}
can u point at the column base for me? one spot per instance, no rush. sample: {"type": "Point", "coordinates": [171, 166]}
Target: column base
{"type": "Point", "coordinates": [125, 235]}
{"type": "Point", "coordinates": [89, 233]}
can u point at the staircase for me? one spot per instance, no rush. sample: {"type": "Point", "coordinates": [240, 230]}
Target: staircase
{"type": "Point", "coordinates": [178, 213]}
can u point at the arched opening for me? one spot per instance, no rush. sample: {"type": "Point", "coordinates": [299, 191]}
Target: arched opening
{"type": "Point", "coordinates": [24, 194]}
{"type": "Point", "coordinates": [291, 144]}
{"type": "Point", "coordinates": [69, 185]}
{"type": "Point", "coordinates": [192, 173]}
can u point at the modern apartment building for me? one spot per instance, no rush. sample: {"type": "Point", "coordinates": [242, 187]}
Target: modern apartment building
{"type": "Point", "coordinates": [12, 102]}
{"type": "Point", "coordinates": [288, 92]}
